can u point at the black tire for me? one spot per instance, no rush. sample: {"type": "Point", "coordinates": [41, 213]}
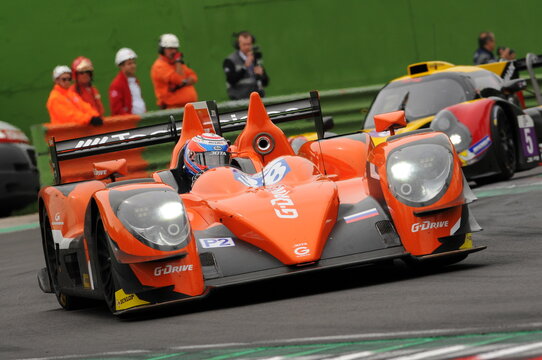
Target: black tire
{"type": "Point", "coordinates": [67, 302]}
{"type": "Point", "coordinates": [105, 255]}
{"type": "Point", "coordinates": [5, 212]}
{"type": "Point", "coordinates": [504, 140]}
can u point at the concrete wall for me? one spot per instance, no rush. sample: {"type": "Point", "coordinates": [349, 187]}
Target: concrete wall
{"type": "Point", "coordinates": [307, 44]}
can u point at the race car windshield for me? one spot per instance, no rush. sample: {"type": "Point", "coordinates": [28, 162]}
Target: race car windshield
{"type": "Point", "coordinates": [486, 79]}
{"type": "Point", "coordinates": [419, 98]}
{"type": "Point", "coordinates": [212, 159]}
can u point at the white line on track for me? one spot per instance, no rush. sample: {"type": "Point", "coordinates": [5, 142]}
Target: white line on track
{"type": "Point", "coordinates": [399, 334]}
{"type": "Point", "coordinates": [127, 352]}
{"type": "Point", "coordinates": [432, 353]}
{"type": "Point", "coordinates": [209, 346]}
{"type": "Point", "coordinates": [337, 338]}
{"type": "Point", "coordinates": [352, 356]}
{"type": "Point", "coordinates": [508, 351]}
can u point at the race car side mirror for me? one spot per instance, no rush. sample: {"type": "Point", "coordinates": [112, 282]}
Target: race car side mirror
{"type": "Point", "coordinates": [390, 121]}
{"type": "Point", "coordinates": [488, 92]}
{"type": "Point", "coordinates": [328, 123]}
{"type": "Point", "coordinates": [111, 169]}
{"type": "Point", "coordinates": [513, 86]}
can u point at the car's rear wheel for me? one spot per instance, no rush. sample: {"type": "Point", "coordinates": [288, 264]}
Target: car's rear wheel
{"type": "Point", "coordinates": [5, 212]}
{"type": "Point", "coordinates": [504, 141]}
{"type": "Point", "coordinates": [105, 256]}
{"type": "Point", "coordinates": [52, 262]}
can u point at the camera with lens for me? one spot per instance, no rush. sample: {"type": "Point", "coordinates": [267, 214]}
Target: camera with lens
{"type": "Point", "coordinates": [258, 56]}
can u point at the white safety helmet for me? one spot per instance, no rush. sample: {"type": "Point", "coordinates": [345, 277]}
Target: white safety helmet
{"type": "Point", "coordinates": [123, 55]}
{"type": "Point", "coordinates": [59, 70]}
{"type": "Point", "coordinates": [169, 41]}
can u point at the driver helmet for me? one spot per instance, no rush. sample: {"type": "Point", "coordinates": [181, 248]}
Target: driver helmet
{"type": "Point", "coordinates": [204, 152]}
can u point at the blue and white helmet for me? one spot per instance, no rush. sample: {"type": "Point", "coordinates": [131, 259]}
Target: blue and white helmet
{"type": "Point", "coordinates": [204, 152]}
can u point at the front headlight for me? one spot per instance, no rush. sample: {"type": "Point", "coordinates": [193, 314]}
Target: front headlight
{"type": "Point", "coordinates": [419, 174]}
{"type": "Point", "coordinates": [156, 218]}
{"type": "Point", "coordinates": [458, 133]}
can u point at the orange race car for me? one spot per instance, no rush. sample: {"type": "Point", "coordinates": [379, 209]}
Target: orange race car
{"type": "Point", "coordinates": [264, 213]}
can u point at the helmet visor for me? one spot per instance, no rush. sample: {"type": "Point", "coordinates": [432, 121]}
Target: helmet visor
{"type": "Point", "coordinates": [212, 159]}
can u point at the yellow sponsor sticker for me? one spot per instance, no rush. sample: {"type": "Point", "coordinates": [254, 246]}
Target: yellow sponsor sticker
{"type": "Point", "coordinates": [125, 301]}
{"type": "Point", "coordinates": [86, 281]}
{"type": "Point", "coordinates": [468, 242]}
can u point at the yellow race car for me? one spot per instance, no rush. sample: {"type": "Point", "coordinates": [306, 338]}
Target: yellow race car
{"type": "Point", "coordinates": [478, 107]}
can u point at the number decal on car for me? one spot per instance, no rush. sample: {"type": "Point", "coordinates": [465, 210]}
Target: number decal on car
{"type": "Point", "coordinates": [528, 138]}
{"type": "Point", "coordinates": [274, 172]}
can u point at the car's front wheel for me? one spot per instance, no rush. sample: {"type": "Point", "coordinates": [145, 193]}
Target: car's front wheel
{"type": "Point", "coordinates": [105, 257]}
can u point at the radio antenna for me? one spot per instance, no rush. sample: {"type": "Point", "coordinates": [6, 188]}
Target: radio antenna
{"type": "Point", "coordinates": [263, 172]}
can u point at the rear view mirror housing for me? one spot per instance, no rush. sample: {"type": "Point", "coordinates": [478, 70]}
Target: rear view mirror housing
{"type": "Point", "coordinates": [390, 121]}
{"type": "Point", "coordinates": [488, 92]}
{"type": "Point", "coordinates": [328, 123]}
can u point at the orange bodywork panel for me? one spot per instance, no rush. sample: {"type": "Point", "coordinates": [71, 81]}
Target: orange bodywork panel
{"type": "Point", "coordinates": [66, 212]}
{"type": "Point", "coordinates": [407, 223]}
{"type": "Point", "coordinates": [184, 273]}
{"type": "Point", "coordinates": [259, 130]}
{"type": "Point", "coordinates": [277, 218]}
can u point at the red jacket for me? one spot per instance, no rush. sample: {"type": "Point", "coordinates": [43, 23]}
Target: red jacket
{"type": "Point", "coordinates": [91, 95]}
{"type": "Point", "coordinates": [120, 96]}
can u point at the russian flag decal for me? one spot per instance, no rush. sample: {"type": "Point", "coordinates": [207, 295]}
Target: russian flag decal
{"type": "Point", "coordinates": [361, 215]}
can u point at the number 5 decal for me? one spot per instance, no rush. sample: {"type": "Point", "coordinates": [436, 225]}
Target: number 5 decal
{"type": "Point", "coordinates": [528, 137]}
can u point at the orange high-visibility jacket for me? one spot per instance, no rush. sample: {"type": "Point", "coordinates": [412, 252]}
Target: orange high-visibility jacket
{"type": "Point", "coordinates": [67, 107]}
{"type": "Point", "coordinates": [165, 79]}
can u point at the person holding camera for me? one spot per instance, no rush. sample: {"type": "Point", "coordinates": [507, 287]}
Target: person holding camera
{"type": "Point", "coordinates": [173, 81]}
{"type": "Point", "coordinates": [505, 53]}
{"type": "Point", "coordinates": [244, 68]}
{"type": "Point", "coordinates": [486, 46]}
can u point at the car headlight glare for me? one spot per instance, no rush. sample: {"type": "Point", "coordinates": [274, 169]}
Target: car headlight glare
{"type": "Point", "coordinates": [402, 170]}
{"type": "Point", "coordinates": [419, 174]}
{"type": "Point", "coordinates": [456, 139]}
{"type": "Point", "coordinates": [458, 133]}
{"type": "Point", "coordinates": [156, 218]}
{"type": "Point", "coordinates": [170, 210]}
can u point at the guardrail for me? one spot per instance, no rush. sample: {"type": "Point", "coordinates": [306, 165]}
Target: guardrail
{"type": "Point", "coordinates": [347, 106]}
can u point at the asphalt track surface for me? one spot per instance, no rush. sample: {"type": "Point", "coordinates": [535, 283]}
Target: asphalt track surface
{"type": "Point", "coordinates": [489, 304]}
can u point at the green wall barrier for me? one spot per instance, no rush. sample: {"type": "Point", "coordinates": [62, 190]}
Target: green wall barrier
{"type": "Point", "coordinates": [307, 44]}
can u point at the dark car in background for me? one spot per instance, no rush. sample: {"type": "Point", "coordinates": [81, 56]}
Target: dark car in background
{"type": "Point", "coordinates": [19, 180]}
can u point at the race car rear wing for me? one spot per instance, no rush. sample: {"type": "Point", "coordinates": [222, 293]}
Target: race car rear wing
{"type": "Point", "coordinates": [533, 61]}
{"type": "Point", "coordinates": [529, 61]}
{"type": "Point", "coordinates": [208, 114]}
